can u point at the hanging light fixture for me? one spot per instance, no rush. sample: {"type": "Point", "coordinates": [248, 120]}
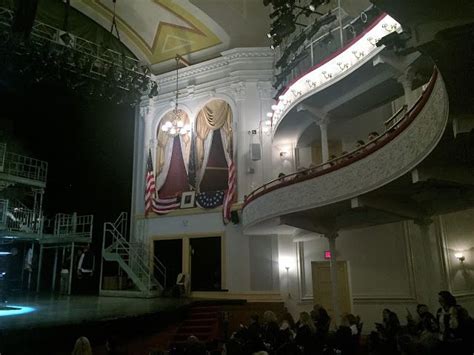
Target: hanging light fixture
{"type": "Point", "coordinates": [176, 124]}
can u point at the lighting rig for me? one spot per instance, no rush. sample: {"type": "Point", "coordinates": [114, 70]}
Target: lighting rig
{"type": "Point", "coordinates": [91, 69]}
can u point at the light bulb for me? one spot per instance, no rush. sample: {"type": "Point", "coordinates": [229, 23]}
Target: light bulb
{"type": "Point", "coordinates": [274, 107]}
{"type": "Point", "coordinates": [180, 123]}
{"type": "Point", "coordinates": [269, 114]}
{"type": "Point", "coordinates": [165, 128]}
{"type": "Point", "coordinates": [173, 131]}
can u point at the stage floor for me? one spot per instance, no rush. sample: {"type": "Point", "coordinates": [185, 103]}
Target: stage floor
{"type": "Point", "coordinates": [46, 311]}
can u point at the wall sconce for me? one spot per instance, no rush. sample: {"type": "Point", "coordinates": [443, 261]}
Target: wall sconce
{"type": "Point", "coordinates": [358, 54]}
{"type": "Point", "coordinates": [327, 75]}
{"type": "Point", "coordinates": [460, 256]}
{"type": "Point", "coordinates": [284, 155]}
{"type": "Point", "coordinates": [390, 28]}
{"type": "Point", "coordinates": [311, 84]}
{"type": "Point", "coordinates": [343, 66]}
{"type": "Point", "coordinates": [288, 280]}
{"type": "Point", "coordinates": [373, 41]}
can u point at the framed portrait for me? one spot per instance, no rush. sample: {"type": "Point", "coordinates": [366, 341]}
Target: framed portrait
{"type": "Point", "coordinates": [187, 199]}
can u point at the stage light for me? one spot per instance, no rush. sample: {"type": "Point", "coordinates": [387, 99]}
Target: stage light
{"type": "Point", "coordinates": [153, 91]}
{"type": "Point", "coordinates": [15, 310]}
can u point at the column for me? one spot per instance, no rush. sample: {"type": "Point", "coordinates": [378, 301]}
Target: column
{"type": "Point", "coordinates": [406, 80]}
{"type": "Point", "coordinates": [55, 266]}
{"type": "Point", "coordinates": [40, 262]}
{"type": "Point", "coordinates": [334, 284]}
{"type": "Point", "coordinates": [323, 126]}
{"type": "Point", "coordinates": [429, 286]}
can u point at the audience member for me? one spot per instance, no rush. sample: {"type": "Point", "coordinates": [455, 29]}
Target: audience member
{"type": "Point", "coordinates": [455, 325]}
{"type": "Point", "coordinates": [82, 347]}
{"type": "Point", "coordinates": [373, 135]}
{"type": "Point", "coordinates": [321, 319]}
{"type": "Point", "coordinates": [270, 330]}
{"type": "Point", "coordinates": [305, 334]}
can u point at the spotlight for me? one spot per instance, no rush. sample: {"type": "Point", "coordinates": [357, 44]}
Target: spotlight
{"type": "Point", "coordinates": [154, 90]}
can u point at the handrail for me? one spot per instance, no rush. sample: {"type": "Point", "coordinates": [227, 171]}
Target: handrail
{"type": "Point", "coordinates": [388, 123]}
{"type": "Point", "coordinates": [349, 158]}
{"type": "Point", "coordinates": [139, 256]}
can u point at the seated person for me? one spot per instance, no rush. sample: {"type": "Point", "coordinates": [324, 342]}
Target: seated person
{"type": "Point", "coordinates": [360, 143]}
{"type": "Point", "coordinates": [373, 135]}
{"type": "Point", "coordinates": [182, 285]}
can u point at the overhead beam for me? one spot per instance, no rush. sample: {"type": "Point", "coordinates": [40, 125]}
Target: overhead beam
{"type": "Point", "coordinates": [399, 208]}
{"type": "Point", "coordinates": [307, 223]}
{"type": "Point", "coordinates": [453, 174]}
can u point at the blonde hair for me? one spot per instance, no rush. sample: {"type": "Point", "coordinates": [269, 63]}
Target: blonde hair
{"type": "Point", "coordinates": [305, 319]}
{"type": "Point", "coordinates": [269, 316]}
{"type": "Point", "coordinates": [82, 347]}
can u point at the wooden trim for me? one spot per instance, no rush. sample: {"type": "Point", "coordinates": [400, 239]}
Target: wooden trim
{"type": "Point", "coordinates": [251, 296]}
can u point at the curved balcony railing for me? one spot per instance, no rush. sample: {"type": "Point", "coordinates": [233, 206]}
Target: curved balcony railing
{"type": "Point", "coordinates": [340, 64]}
{"type": "Point", "coordinates": [412, 135]}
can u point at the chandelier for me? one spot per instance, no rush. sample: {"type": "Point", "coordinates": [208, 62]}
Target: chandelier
{"type": "Point", "coordinates": [176, 124]}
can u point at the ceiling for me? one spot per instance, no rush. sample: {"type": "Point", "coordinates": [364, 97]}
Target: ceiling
{"type": "Point", "coordinates": [156, 30]}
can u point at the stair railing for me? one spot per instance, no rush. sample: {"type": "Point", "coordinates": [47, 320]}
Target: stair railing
{"type": "Point", "coordinates": [134, 255]}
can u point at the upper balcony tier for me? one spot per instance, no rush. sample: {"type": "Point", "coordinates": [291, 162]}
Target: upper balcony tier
{"type": "Point", "coordinates": [354, 58]}
{"type": "Point", "coordinates": [410, 138]}
{"type": "Point", "coordinates": [16, 168]}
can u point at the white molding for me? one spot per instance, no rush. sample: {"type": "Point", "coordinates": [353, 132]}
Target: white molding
{"type": "Point", "coordinates": [447, 265]}
{"type": "Point", "coordinates": [412, 296]}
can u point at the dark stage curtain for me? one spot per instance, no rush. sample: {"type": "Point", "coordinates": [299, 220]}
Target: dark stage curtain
{"type": "Point", "coordinates": [177, 180]}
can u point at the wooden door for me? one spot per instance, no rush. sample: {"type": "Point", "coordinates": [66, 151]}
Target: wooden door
{"type": "Point", "coordinates": [322, 291]}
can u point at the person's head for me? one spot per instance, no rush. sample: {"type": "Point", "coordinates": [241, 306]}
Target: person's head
{"type": "Point", "coordinates": [351, 319]}
{"type": "Point", "coordinates": [281, 175]}
{"type": "Point", "coordinates": [86, 248]}
{"type": "Point", "coordinates": [428, 323]}
{"type": "Point", "coordinates": [446, 299]}
{"type": "Point", "coordinates": [254, 318]}
{"type": "Point", "coordinates": [269, 317]}
{"type": "Point", "coordinates": [421, 309]}
{"type": "Point", "coordinates": [111, 345]}
{"type": "Point", "coordinates": [305, 319]}
{"type": "Point", "coordinates": [373, 135]}
{"type": "Point", "coordinates": [288, 318]}
{"type": "Point", "coordinates": [386, 314]}
{"type": "Point", "coordinates": [82, 347]}
{"type": "Point", "coordinates": [360, 143]}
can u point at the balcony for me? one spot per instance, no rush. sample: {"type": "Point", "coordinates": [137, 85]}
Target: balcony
{"type": "Point", "coordinates": [410, 137]}
{"type": "Point", "coordinates": [16, 168]}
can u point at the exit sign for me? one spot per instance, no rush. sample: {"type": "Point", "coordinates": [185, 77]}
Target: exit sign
{"type": "Point", "coordinates": [327, 255]}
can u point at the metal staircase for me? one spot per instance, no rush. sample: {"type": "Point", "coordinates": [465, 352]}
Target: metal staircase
{"type": "Point", "coordinates": [147, 272]}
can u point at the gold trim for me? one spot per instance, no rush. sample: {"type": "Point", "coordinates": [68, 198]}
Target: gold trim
{"type": "Point", "coordinates": [201, 36]}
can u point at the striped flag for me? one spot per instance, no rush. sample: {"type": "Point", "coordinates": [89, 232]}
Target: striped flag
{"type": "Point", "coordinates": [230, 193]}
{"type": "Point", "coordinates": [165, 205]}
{"type": "Point", "coordinates": [153, 203]}
{"type": "Point", "coordinates": [150, 189]}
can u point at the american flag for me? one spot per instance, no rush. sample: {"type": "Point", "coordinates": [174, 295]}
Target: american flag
{"type": "Point", "coordinates": [150, 189]}
{"type": "Point", "coordinates": [153, 203]}
{"type": "Point", "coordinates": [165, 205]}
{"type": "Point", "coordinates": [230, 193]}
{"type": "Point", "coordinates": [210, 199]}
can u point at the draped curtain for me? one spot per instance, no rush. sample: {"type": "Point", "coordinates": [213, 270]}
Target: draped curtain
{"type": "Point", "coordinates": [164, 149]}
{"type": "Point", "coordinates": [217, 114]}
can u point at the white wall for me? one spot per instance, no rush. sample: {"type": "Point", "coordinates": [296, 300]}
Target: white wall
{"type": "Point", "coordinates": [391, 266]}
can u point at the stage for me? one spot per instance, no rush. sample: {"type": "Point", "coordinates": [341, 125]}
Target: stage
{"type": "Point", "coordinates": [34, 322]}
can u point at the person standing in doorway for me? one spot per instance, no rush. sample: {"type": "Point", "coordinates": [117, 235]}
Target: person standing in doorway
{"type": "Point", "coordinates": [85, 269]}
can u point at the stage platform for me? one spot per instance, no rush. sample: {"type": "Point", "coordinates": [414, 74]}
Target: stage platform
{"type": "Point", "coordinates": [51, 324]}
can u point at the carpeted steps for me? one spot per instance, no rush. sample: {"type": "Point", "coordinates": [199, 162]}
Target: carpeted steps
{"type": "Point", "coordinates": [202, 322]}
